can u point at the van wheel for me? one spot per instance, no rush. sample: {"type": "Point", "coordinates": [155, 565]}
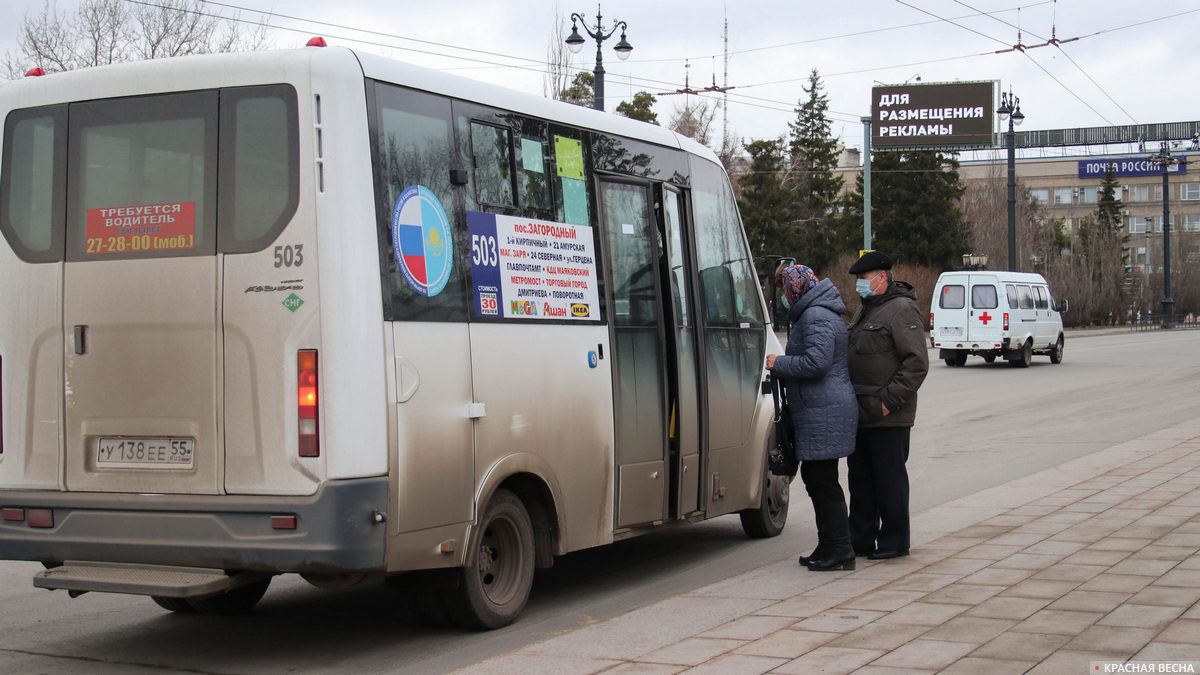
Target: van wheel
{"type": "Point", "coordinates": [495, 586]}
{"type": "Point", "coordinates": [1057, 353]}
{"type": "Point", "coordinates": [237, 601]}
{"type": "Point", "coordinates": [177, 605]}
{"type": "Point", "coordinates": [989, 358]}
{"type": "Point", "coordinates": [770, 517]}
{"type": "Point", "coordinates": [1024, 358]}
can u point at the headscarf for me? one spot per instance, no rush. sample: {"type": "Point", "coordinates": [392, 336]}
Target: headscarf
{"type": "Point", "coordinates": [798, 280]}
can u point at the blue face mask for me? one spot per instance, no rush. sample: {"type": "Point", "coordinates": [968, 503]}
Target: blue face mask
{"type": "Point", "coordinates": [784, 301]}
{"type": "Point", "coordinates": [863, 286]}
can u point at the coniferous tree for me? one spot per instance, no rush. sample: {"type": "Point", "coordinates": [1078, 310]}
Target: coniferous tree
{"type": "Point", "coordinates": [915, 215]}
{"type": "Point", "coordinates": [812, 158]}
{"type": "Point", "coordinates": [767, 207]}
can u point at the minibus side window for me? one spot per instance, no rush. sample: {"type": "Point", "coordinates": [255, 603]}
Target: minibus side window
{"type": "Point", "coordinates": [983, 296]}
{"type": "Point", "coordinates": [491, 154]}
{"type": "Point", "coordinates": [1042, 300]}
{"type": "Point", "coordinates": [31, 182]}
{"type": "Point", "coordinates": [422, 234]}
{"type": "Point", "coordinates": [727, 279]}
{"type": "Point", "coordinates": [1026, 297]}
{"type": "Point", "coordinates": [1013, 302]}
{"type": "Point", "coordinates": [953, 296]}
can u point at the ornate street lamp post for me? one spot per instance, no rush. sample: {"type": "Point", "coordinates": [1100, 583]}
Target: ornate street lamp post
{"type": "Point", "coordinates": [575, 43]}
{"type": "Point", "coordinates": [1010, 109]}
{"type": "Point", "coordinates": [1165, 160]}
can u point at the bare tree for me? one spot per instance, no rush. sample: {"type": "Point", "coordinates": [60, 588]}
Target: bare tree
{"type": "Point", "coordinates": [102, 32]}
{"type": "Point", "coordinates": [559, 69]}
{"type": "Point", "coordinates": [694, 119]}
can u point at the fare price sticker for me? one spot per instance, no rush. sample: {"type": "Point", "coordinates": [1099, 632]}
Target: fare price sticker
{"type": "Point", "coordinates": [532, 269]}
{"type": "Point", "coordinates": [143, 228]}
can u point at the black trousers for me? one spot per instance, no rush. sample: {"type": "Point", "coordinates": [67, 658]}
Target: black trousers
{"type": "Point", "coordinates": [821, 481]}
{"type": "Point", "coordinates": [879, 490]}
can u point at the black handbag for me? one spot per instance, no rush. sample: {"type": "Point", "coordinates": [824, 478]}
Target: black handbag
{"type": "Point", "coordinates": [781, 458]}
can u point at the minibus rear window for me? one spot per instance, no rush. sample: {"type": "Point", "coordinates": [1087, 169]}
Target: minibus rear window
{"type": "Point", "coordinates": [984, 297]}
{"type": "Point", "coordinates": [142, 178]}
{"type": "Point", "coordinates": [953, 297]}
{"type": "Point", "coordinates": [137, 177]}
{"type": "Point", "coordinates": [30, 182]}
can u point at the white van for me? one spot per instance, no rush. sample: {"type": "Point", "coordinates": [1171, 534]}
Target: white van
{"type": "Point", "coordinates": [991, 314]}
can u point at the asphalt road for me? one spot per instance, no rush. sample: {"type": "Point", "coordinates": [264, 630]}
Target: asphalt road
{"type": "Point", "coordinates": [977, 427]}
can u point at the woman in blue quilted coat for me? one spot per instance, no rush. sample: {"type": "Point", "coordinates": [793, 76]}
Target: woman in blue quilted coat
{"type": "Point", "coordinates": [816, 376]}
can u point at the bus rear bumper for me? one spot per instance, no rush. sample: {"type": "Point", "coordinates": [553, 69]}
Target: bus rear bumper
{"type": "Point", "coordinates": [339, 529]}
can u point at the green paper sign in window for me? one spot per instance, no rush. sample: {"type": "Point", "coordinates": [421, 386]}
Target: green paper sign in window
{"type": "Point", "coordinates": [569, 154]}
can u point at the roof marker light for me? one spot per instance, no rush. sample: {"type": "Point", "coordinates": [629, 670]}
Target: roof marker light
{"type": "Point", "coordinates": [316, 42]}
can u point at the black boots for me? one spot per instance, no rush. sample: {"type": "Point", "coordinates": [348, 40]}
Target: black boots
{"type": "Point", "coordinates": [833, 550]}
{"type": "Point", "coordinates": [822, 549]}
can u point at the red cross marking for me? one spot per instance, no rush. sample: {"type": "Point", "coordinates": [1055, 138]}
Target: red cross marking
{"type": "Point", "coordinates": [985, 318]}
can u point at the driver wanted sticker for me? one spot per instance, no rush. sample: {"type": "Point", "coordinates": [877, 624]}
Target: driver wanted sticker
{"type": "Point", "coordinates": [144, 228]}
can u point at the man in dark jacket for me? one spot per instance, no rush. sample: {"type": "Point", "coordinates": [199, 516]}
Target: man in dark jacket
{"type": "Point", "coordinates": [888, 362]}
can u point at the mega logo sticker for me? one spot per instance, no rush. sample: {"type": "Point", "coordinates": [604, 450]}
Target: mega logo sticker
{"type": "Point", "coordinates": [421, 240]}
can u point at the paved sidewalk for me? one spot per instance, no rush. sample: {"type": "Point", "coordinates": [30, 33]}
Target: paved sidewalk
{"type": "Point", "coordinates": [1094, 560]}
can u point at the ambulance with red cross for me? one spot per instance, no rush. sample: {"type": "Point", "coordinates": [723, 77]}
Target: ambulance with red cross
{"type": "Point", "coordinates": [1010, 315]}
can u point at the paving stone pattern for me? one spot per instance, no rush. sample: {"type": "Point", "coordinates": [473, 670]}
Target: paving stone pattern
{"type": "Point", "coordinates": [1094, 560]}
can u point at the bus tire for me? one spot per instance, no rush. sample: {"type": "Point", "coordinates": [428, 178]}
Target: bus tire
{"type": "Point", "coordinates": [236, 601]}
{"type": "Point", "coordinates": [495, 585]}
{"type": "Point", "coordinates": [177, 605]}
{"type": "Point", "coordinates": [1025, 357]}
{"type": "Point", "coordinates": [989, 358]}
{"type": "Point", "coordinates": [769, 518]}
{"type": "Point", "coordinates": [1056, 354]}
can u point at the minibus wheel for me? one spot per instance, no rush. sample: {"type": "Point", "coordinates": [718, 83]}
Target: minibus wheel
{"type": "Point", "coordinates": [1057, 354]}
{"type": "Point", "coordinates": [177, 605]}
{"type": "Point", "coordinates": [236, 601]}
{"type": "Point", "coordinates": [1025, 357]}
{"type": "Point", "coordinates": [496, 582]}
{"type": "Point", "coordinates": [771, 515]}
{"type": "Point", "coordinates": [989, 358]}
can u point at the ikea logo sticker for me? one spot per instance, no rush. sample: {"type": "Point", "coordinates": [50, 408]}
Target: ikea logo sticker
{"type": "Point", "coordinates": [581, 309]}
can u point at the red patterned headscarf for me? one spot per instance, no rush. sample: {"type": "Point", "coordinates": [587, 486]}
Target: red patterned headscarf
{"type": "Point", "coordinates": [798, 280]}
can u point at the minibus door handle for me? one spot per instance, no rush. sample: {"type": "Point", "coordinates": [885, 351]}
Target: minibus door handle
{"type": "Point", "coordinates": [80, 339]}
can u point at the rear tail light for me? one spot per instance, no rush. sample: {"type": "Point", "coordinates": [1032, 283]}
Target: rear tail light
{"type": "Point", "coordinates": [13, 514]}
{"type": "Point", "coordinates": [43, 518]}
{"type": "Point", "coordinates": [283, 522]}
{"type": "Point", "coordinates": [1006, 321]}
{"type": "Point", "coordinates": [307, 403]}
{"type": "Point", "coordinates": [931, 321]}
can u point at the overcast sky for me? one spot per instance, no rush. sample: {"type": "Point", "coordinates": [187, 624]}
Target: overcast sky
{"type": "Point", "coordinates": [1148, 70]}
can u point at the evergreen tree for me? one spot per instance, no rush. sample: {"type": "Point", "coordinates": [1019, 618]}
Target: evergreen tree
{"type": "Point", "coordinates": [915, 216]}
{"type": "Point", "coordinates": [1108, 203]}
{"type": "Point", "coordinates": [640, 108]}
{"type": "Point", "coordinates": [812, 157]}
{"type": "Point", "coordinates": [767, 207]}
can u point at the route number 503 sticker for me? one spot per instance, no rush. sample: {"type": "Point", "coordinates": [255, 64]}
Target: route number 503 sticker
{"type": "Point", "coordinates": [289, 256]}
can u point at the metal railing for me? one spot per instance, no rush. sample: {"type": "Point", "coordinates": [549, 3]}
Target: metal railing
{"type": "Point", "coordinates": [1147, 322]}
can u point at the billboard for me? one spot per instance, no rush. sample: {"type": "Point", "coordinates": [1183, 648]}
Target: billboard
{"type": "Point", "coordinates": [933, 115]}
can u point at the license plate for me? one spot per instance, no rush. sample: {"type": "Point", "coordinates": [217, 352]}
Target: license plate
{"type": "Point", "coordinates": [955, 331]}
{"type": "Point", "coordinates": [146, 453]}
